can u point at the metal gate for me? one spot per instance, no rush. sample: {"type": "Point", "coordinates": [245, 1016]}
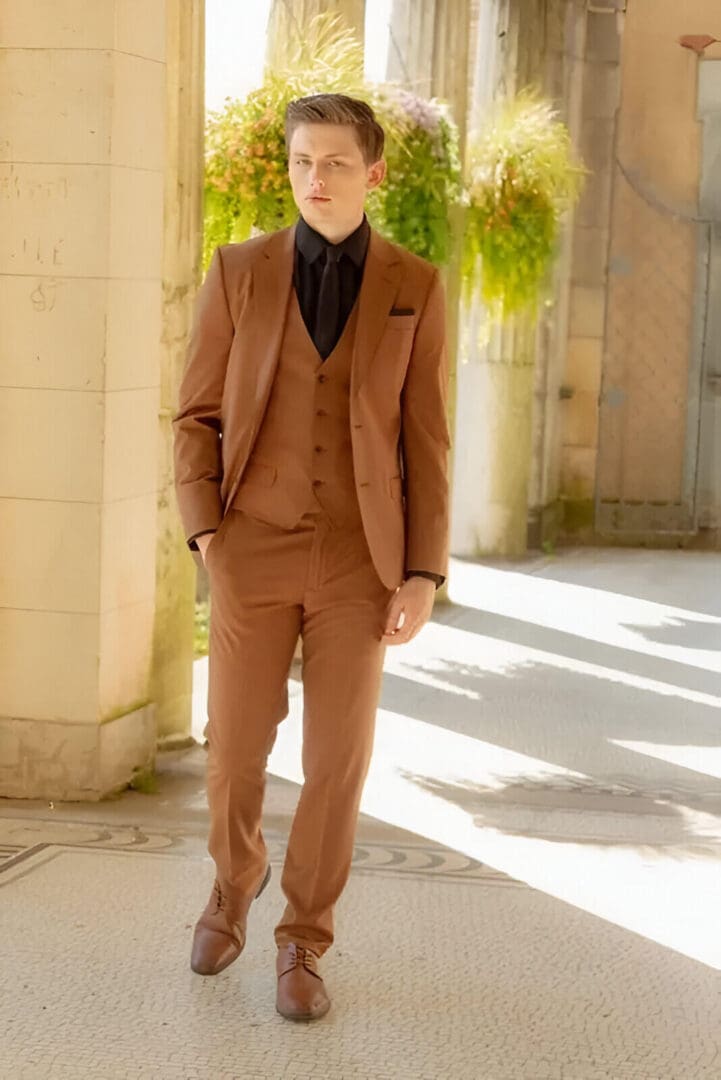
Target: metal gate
{"type": "Point", "coordinates": [654, 360]}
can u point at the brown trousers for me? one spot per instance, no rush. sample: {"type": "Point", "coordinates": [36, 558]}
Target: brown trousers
{"type": "Point", "coordinates": [268, 585]}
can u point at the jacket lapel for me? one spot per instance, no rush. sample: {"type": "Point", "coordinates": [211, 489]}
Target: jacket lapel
{"type": "Point", "coordinates": [260, 331]}
{"type": "Point", "coordinates": [379, 288]}
{"type": "Point", "coordinates": [272, 282]}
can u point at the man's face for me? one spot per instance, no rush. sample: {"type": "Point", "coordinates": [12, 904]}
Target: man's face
{"type": "Point", "coordinates": [329, 178]}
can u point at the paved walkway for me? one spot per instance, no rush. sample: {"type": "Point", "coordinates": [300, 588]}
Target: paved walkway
{"type": "Point", "coordinates": [537, 877]}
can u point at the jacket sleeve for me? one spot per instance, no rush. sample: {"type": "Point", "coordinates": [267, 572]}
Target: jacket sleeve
{"type": "Point", "coordinates": [197, 422]}
{"type": "Point", "coordinates": [425, 439]}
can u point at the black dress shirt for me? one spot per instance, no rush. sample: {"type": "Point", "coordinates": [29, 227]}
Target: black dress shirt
{"type": "Point", "coordinates": [310, 255]}
{"type": "Point", "coordinates": [308, 263]}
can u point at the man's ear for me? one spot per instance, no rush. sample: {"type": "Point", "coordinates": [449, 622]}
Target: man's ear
{"type": "Point", "coordinates": [376, 173]}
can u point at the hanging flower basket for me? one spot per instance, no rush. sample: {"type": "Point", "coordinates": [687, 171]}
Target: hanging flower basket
{"type": "Point", "coordinates": [520, 179]}
{"type": "Point", "coordinates": [423, 180]}
{"type": "Point", "coordinates": [246, 174]}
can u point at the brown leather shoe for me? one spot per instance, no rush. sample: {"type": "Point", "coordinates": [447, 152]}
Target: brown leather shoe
{"type": "Point", "coordinates": [301, 993]}
{"type": "Point", "coordinates": [219, 935]}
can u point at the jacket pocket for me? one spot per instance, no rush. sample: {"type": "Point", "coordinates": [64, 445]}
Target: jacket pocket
{"type": "Point", "coordinates": [401, 322]}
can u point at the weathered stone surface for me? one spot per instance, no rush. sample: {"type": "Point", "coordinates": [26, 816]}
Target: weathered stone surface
{"type": "Point", "coordinates": [70, 761]}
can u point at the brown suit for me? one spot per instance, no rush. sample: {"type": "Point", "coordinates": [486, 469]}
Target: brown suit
{"type": "Point", "coordinates": [328, 483]}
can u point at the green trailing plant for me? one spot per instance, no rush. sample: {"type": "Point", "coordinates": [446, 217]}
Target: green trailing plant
{"type": "Point", "coordinates": [246, 164]}
{"type": "Point", "coordinates": [521, 177]}
{"type": "Point", "coordinates": [423, 180]}
{"type": "Point", "coordinates": [246, 173]}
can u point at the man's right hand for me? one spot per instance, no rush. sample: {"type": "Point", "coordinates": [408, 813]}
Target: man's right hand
{"type": "Point", "coordinates": [203, 542]}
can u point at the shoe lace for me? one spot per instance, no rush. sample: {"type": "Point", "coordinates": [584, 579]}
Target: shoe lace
{"type": "Point", "coordinates": [219, 897]}
{"type": "Point", "coordinates": [305, 958]}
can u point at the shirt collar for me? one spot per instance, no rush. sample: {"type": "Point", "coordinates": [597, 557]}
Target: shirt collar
{"type": "Point", "coordinates": [311, 244]}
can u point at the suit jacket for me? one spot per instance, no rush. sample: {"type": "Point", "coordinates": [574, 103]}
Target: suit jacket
{"type": "Point", "coordinates": [398, 394]}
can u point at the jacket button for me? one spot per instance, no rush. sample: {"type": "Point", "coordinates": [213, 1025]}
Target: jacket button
{"type": "Point", "coordinates": [318, 449]}
{"type": "Point", "coordinates": [321, 378]}
{"type": "Point", "coordinates": [317, 483]}
{"type": "Point", "coordinates": [321, 412]}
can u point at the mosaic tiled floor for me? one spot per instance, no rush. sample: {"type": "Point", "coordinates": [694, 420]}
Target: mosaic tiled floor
{"type": "Point", "coordinates": [442, 969]}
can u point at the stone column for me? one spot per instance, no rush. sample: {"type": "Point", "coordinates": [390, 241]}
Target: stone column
{"type": "Point", "coordinates": [430, 48]}
{"type": "Point", "coordinates": [493, 393]}
{"type": "Point", "coordinates": [508, 388]}
{"type": "Point", "coordinates": [82, 173]}
{"type": "Point", "coordinates": [709, 476]}
{"type": "Point", "coordinates": [600, 54]}
{"type": "Point", "coordinates": [563, 70]}
{"type": "Point", "coordinates": [181, 274]}
{"type": "Point", "coordinates": [410, 49]}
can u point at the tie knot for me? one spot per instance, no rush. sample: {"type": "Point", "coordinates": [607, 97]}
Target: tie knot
{"type": "Point", "coordinates": [332, 254]}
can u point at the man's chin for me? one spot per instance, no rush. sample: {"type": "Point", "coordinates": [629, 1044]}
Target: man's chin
{"type": "Point", "coordinates": [320, 207]}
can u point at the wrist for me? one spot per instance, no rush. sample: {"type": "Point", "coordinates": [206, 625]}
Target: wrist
{"type": "Point", "coordinates": [421, 580]}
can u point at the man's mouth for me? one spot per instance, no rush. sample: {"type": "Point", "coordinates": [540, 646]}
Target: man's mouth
{"type": "Point", "coordinates": [319, 198]}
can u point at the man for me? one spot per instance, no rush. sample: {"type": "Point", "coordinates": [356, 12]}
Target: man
{"type": "Point", "coordinates": [310, 467]}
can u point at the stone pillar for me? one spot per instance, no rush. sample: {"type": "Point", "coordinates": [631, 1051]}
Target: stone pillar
{"type": "Point", "coordinates": [410, 50]}
{"type": "Point", "coordinates": [493, 388]}
{"type": "Point", "coordinates": [431, 45]}
{"type": "Point", "coordinates": [429, 50]}
{"type": "Point", "coordinates": [564, 72]}
{"type": "Point", "coordinates": [709, 476]}
{"type": "Point", "coordinates": [181, 274]}
{"type": "Point", "coordinates": [588, 268]}
{"type": "Point", "coordinates": [508, 388]}
{"type": "Point", "coordinates": [82, 174]}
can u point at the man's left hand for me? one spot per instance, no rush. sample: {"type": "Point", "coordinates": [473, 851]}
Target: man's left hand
{"type": "Point", "coordinates": [409, 610]}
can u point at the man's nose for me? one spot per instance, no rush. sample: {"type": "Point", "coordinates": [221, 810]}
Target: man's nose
{"type": "Point", "coordinates": [316, 179]}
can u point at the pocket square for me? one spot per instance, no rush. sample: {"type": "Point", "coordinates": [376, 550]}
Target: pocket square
{"type": "Point", "coordinates": [402, 311]}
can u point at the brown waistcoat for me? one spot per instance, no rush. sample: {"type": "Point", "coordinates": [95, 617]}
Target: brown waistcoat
{"type": "Point", "coordinates": [302, 457]}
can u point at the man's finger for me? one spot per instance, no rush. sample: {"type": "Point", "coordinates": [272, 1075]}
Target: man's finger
{"type": "Point", "coordinates": [402, 636]}
{"type": "Point", "coordinates": [393, 617]}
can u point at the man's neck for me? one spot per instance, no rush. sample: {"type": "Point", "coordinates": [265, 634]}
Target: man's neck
{"type": "Point", "coordinates": [335, 237]}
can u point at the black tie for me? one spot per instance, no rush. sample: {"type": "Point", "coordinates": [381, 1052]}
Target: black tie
{"type": "Point", "coordinates": [326, 318]}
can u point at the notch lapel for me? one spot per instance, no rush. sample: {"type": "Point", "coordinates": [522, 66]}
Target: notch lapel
{"type": "Point", "coordinates": [272, 282]}
{"type": "Point", "coordinates": [379, 288]}
{"type": "Point", "coordinates": [261, 328]}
